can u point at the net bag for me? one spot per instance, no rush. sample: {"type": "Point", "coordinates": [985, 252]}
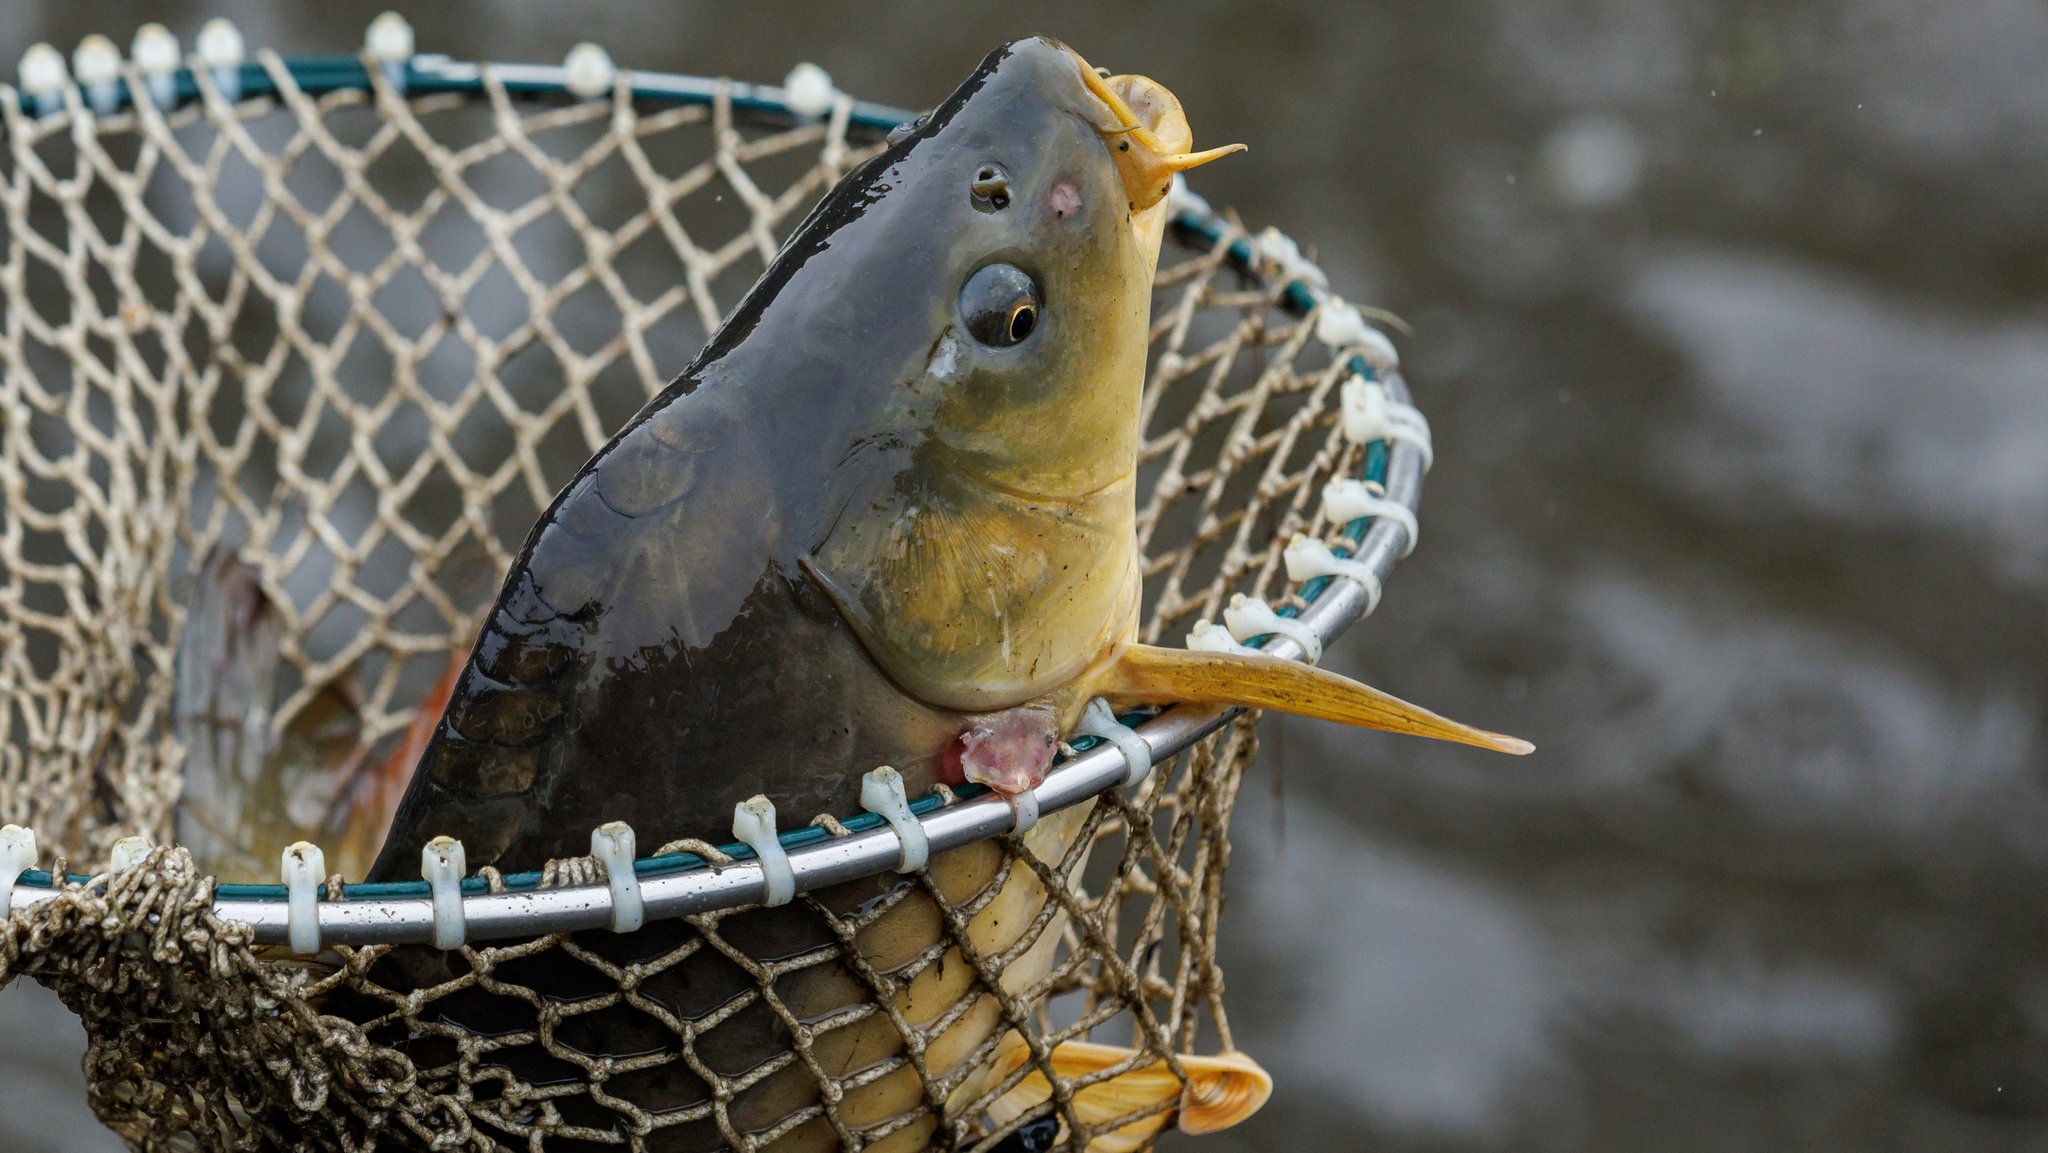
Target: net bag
{"type": "Point", "coordinates": [357, 319]}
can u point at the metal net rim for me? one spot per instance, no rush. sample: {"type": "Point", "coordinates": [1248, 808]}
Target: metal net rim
{"type": "Point", "coordinates": [679, 884]}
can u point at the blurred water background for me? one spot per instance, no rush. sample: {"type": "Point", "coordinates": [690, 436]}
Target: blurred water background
{"type": "Point", "coordinates": [1730, 319]}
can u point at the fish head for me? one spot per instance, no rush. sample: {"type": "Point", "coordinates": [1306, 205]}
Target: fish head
{"type": "Point", "coordinates": [1001, 558]}
{"type": "Point", "coordinates": [1003, 578]}
{"type": "Point", "coordinates": [1062, 176]}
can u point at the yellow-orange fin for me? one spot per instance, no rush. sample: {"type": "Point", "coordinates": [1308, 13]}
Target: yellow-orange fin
{"type": "Point", "coordinates": [1219, 1092]}
{"type": "Point", "coordinates": [1147, 674]}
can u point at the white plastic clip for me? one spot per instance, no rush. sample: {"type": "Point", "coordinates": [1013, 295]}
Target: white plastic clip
{"type": "Point", "coordinates": [1368, 413]}
{"type": "Point", "coordinates": [753, 821]}
{"type": "Point", "coordinates": [43, 76]}
{"type": "Point", "coordinates": [17, 855]}
{"type": "Point", "coordinates": [1209, 637]}
{"type": "Point", "coordinates": [1248, 617]}
{"type": "Point", "coordinates": [1340, 325]}
{"type": "Point", "coordinates": [882, 793]}
{"type": "Point", "coordinates": [1184, 201]}
{"type": "Point", "coordinates": [127, 853]}
{"type": "Point", "coordinates": [1348, 498]}
{"type": "Point", "coordinates": [155, 52]}
{"type": "Point", "coordinates": [588, 71]}
{"type": "Point", "coordinates": [1099, 720]}
{"type": "Point", "coordinates": [388, 43]}
{"type": "Point", "coordinates": [304, 867]}
{"type": "Point", "coordinates": [97, 64]}
{"type": "Point", "coordinates": [442, 864]}
{"type": "Point", "coordinates": [1023, 811]}
{"type": "Point", "coordinates": [220, 48]}
{"type": "Point", "coordinates": [613, 845]}
{"type": "Point", "coordinates": [1308, 559]}
{"type": "Point", "coordinates": [808, 91]}
{"type": "Point", "coordinates": [1279, 249]}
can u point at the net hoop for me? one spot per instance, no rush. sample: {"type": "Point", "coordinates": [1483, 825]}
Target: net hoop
{"type": "Point", "coordinates": [680, 884]}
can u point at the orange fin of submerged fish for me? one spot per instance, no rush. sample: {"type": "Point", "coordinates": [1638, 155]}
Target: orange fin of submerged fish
{"type": "Point", "coordinates": [1219, 1092]}
{"type": "Point", "coordinates": [365, 808]}
{"type": "Point", "coordinates": [1147, 674]}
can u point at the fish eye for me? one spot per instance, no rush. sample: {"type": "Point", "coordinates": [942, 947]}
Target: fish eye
{"type": "Point", "coordinates": [991, 186]}
{"type": "Point", "coordinates": [1000, 305]}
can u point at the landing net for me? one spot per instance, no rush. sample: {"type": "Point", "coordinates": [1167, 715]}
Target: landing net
{"type": "Point", "coordinates": [356, 321]}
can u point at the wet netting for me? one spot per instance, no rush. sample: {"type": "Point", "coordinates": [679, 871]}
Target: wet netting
{"type": "Point", "coordinates": [352, 322]}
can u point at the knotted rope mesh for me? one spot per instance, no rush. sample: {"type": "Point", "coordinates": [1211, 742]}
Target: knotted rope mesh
{"type": "Point", "coordinates": [360, 338]}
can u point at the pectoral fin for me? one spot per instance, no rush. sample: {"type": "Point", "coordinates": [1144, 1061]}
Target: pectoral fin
{"type": "Point", "coordinates": [1146, 674]}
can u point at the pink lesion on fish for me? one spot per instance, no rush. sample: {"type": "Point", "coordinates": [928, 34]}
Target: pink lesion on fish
{"type": "Point", "coordinates": [1009, 751]}
{"type": "Point", "coordinates": [1066, 199]}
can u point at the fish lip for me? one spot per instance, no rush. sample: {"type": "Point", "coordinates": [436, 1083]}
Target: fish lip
{"type": "Point", "coordinates": [1145, 162]}
{"type": "Point", "coordinates": [1122, 119]}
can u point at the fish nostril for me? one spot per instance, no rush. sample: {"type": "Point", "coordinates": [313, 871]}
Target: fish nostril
{"type": "Point", "coordinates": [991, 186]}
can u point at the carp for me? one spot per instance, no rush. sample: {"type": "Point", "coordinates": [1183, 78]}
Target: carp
{"type": "Point", "coordinates": [885, 517]}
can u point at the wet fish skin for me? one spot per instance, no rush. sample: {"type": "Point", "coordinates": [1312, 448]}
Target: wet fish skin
{"type": "Point", "coordinates": [674, 637]}
{"type": "Point", "coordinates": [785, 570]}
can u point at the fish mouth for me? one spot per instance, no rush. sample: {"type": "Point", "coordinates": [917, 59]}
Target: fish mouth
{"type": "Point", "coordinates": [1147, 133]}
